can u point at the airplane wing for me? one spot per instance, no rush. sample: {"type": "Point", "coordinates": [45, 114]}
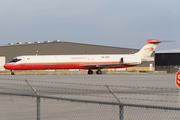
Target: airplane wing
{"type": "Point", "coordinates": [106, 65]}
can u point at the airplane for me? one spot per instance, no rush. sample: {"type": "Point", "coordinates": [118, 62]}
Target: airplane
{"type": "Point", "coordinates": [89, 62]}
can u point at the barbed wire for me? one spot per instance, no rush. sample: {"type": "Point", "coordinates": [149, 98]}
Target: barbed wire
{"type": "Point", "coordinates": [139, 87]}
{"type": "Point", "coordinates": [106, 91]}
{"type": "Point", "coordinates": [90, 95]}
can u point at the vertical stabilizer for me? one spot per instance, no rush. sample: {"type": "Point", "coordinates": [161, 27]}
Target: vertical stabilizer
{"type": "Point", "coordinates": [148, 48]}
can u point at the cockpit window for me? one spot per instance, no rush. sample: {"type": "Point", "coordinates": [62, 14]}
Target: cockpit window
{"type": "Point", "coordinates": [15, 60]}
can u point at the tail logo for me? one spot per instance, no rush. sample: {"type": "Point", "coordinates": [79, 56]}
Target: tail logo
{"type": "Point", "coordinates": [149, 49]}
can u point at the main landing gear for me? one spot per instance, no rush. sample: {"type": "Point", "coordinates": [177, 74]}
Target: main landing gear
{"type": "Point", "coordinates": [90, 72]}
{"type": "Point", "coordinates": [98, 72]}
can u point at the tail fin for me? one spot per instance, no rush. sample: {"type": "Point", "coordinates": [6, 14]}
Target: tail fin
{"type": "Point", "coordinates": [148, 48]}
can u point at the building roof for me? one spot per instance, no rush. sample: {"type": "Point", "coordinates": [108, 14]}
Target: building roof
{"type": "Point", "coordinates": [58, 41]}
{"type": "Point", "coordinates": [168, 51]}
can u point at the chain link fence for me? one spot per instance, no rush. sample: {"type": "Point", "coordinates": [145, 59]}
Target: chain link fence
{"type": "Point", "coordinates": [169, 69]}
{"type": "Point", "coordinates": [79, 101]}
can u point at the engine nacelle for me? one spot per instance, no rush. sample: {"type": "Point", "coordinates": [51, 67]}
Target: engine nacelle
{"type": "Point", "coordinates": [131, 60]}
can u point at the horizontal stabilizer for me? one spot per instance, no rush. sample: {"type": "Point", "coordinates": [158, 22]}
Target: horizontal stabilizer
{"type": "Point", "coordinates": [160, 41]}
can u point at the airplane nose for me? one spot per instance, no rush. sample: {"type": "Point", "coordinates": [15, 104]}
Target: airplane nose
{"type": "Point", "coordinates": [7, 66]}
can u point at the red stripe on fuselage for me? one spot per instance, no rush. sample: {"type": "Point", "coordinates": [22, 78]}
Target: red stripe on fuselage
{"type": "Point", "coordinates": [42, 66]}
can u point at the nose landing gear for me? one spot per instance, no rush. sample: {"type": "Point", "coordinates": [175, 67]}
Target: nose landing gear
{"type": "Point", "coordinates": [12, 72]}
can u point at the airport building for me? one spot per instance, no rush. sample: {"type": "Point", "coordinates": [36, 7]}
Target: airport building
{"type": "Point", "coordinates": [66, 48]}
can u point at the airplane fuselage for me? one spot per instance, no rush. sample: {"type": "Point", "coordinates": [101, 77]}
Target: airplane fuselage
{"type": "Point", "coordinates": [40, 62]}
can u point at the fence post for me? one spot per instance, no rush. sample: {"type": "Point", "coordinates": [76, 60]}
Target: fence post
{"type": "Point", "coordinates": [121, 107]}
{"type": "Point", "coordinates": [121, 112]}
{"type": "Point", "coordinates": [38, 108]}
{"type": "Point", "coordinates": [38, 101]}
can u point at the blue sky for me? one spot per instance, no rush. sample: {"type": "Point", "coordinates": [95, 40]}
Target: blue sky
{"type": "Point", "coordinates": [119, 23]}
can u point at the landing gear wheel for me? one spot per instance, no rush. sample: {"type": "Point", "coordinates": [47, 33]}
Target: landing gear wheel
{"type": "Point", "coordinates": [12, 73]}
{"type": "Point", "coordinates": [98, 72]}
{"type": "Point", "coordinates": [90, 72]}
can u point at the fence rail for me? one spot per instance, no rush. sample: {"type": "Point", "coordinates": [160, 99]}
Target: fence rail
{"type": "Point", "coordinates": [169, 69]}
{"type": "Point", "coordinates": [96, 102]}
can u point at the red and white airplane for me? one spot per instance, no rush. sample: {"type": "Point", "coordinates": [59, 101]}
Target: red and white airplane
{"type": "Point", "coordinates": [41, 62]}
